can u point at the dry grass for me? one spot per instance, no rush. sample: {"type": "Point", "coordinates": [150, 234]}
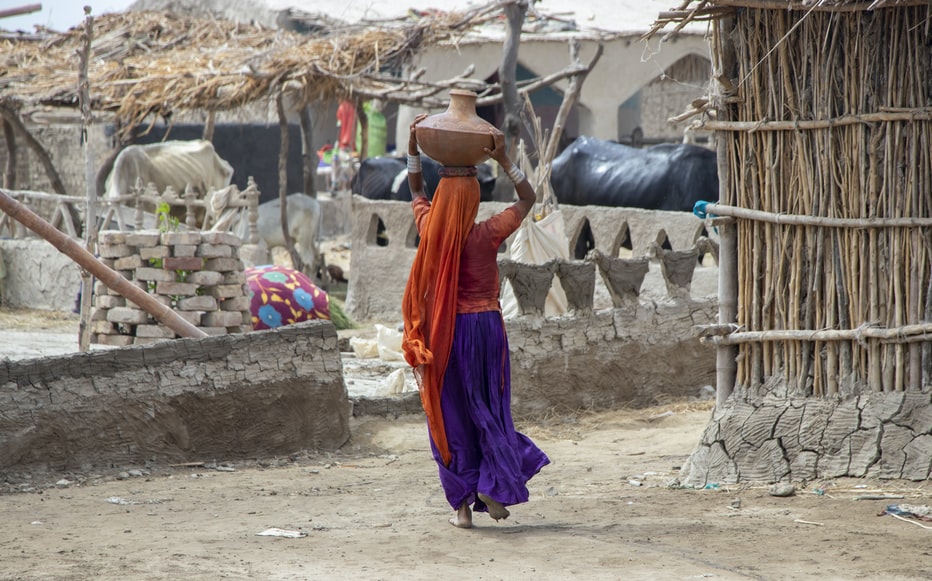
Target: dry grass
{"type": "Point", "coordinates": [146, 63]}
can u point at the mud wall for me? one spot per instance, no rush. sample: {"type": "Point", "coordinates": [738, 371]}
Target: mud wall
{"type": "Point", "coordinates": [631, 357]}
{"type": "Point", "coordinates": [872, 434]}
{"type": "Point", "coordinates": [629, 351]}
{"type": "Point", "coordinates": [220, 398]}
{"type": "Point", "coordinates": [38, 276]}
{"type": "Point", "coordinates": [378, 273]}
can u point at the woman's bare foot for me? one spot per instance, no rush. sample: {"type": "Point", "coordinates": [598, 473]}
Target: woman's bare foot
{"type": "Point", "coordinates": [463, 518]}
{"type": "Point", "coordinates": [496, 509]}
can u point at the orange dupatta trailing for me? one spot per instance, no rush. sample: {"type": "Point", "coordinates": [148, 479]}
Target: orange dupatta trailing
{"type": "Point", "coordinates": [429, 302]}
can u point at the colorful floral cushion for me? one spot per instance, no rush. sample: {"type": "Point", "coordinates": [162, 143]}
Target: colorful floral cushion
{"type": "Point", "coordinates": [280, 295]}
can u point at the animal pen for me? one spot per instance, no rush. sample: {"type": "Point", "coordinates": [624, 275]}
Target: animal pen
{"type": "Point", "coordinates": [823, 118]}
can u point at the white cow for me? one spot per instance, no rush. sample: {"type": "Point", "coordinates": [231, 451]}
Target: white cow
{"type": "Point", "coordinates": [169, 163]}
{"type": "Point", "coordinates": [304, 226]}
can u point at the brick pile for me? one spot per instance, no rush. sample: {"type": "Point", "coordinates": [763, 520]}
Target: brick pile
{"type": "Point", "coordinates": [198, 274]}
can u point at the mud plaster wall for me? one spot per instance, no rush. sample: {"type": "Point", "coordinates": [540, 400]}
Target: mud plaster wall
{"type": "Point", "coordinates": [38, 276]}
{"type": "Point", "coordinates": [871, 434]}
{"type": "Point", "coordinates": [609, 357]}
{"type": "Point", "coordinates": [219, 398]}
{"type": "Point", "coordinates": [63, 144]}
{"type": "Point", "coordinates": [378, 273]}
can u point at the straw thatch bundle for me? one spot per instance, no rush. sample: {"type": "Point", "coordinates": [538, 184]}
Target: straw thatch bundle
{"type": "Point", "coordinates": [146, 63]}
{"type": "Point", "coordinates": [824, 118]}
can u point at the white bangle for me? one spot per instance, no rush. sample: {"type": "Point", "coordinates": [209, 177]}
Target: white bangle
{"type": "Point", "coordinates": [414, 163]}
{"type": "Point", "coordinates": [517, 176]}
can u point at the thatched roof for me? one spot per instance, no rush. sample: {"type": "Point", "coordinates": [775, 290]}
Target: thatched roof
{"type": "Point", "coordinates": [146, 63]}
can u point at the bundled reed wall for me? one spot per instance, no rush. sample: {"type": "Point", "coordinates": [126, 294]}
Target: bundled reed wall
{"type": "Point", "coordinates": [827, 136]}
{"type": "Point", "coordinates": [823, 119]}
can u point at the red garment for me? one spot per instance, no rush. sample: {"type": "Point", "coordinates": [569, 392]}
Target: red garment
{"type": "Point", "coordinates": [479, 285]}
{"type": "Point", "coordinates": [434, 294]}
{"type": "Point", "coordinates": [429, 303]}
{"type": "Point", "coordinates": [346, 118]}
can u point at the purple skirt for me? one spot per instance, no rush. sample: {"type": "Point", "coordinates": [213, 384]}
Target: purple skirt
{"type": "Point", "coordinates": [487, 455]}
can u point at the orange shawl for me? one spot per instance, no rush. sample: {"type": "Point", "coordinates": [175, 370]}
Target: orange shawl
{"type": "Point", "coordinates": [429, 303]}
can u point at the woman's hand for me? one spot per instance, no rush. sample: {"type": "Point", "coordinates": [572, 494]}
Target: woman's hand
{"type": "Point", "coordinates": [412, 137]}
{"type": "Point", "coordinates": [499, 152]}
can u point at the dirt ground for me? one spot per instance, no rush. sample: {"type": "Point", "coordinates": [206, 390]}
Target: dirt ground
{"type": "Point", "coordinates": [608, 507]}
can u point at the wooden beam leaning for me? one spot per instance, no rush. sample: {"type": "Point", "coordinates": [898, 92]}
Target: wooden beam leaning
{"type": "Point", "coordinates": [111, 278]}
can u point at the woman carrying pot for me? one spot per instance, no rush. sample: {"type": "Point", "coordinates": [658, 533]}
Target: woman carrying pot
{"type": "Point", "coordinates": [455, 338]}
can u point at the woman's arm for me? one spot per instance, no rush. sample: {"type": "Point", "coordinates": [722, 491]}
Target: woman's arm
{"type": "Point", "coordinates": [415, 175]}
{"type": "Point", "coordinates": [526, 195]}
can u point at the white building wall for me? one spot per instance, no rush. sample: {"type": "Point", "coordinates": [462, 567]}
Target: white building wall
{"type": "Point", "coordinates": [627, 64]}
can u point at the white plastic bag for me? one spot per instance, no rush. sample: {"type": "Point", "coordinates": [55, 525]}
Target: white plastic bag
{"type": "Point", "coordinates": [394, 384]}
{"type": "Point", "coordinates": [389, 344]}
{"type": "Point", "coordinates": [364, 348]}
{"type": "Point", "coordinates": [537, 243]}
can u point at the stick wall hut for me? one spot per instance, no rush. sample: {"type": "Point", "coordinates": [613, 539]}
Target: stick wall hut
{"type": "Point", "coordinates": [823, 115]}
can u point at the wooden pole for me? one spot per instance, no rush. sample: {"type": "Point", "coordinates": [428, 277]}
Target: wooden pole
{"type": "Point", "coordinates": [362, 118]}
{"type": "Point", "coordinates": [726, 365]}
{"type": "Point", "coordinates": [208, 134]}
{"type": "Point", "coordinates": [514, 16]}
{"type": "Point", "coordinates": [308, 154]}
{"type": "Point", "coordinates": [90, 220]}
{"type": "Point", "coordinates": [9, 174]}
{"type": "Point", "coordinates": [805, 220]}
{"type": "Point", "coordinates": [895, 336]}
{"type": "Point", "coordinates": [28, 8]}
{"type": "Point", "coordinates": [111, 278]}
{"type": "Point", "coordinates": [283, 182]}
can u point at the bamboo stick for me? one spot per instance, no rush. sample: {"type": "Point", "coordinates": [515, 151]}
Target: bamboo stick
{"type": "Point", "coordinates": [898, 335]}
{"type": "Point", "coordinates": [824, 221]}
{"type": "Point", "coordinates": [917, 114]}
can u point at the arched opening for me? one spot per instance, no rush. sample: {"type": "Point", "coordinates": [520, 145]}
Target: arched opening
{"type": "Point", "coordinates": [546, 102]}
{"type": "Point", "coordinates": [584, 240]}
{"type": "Point", "coordinates": [622, 247]}
{"type": "Point", "coordinates": [376, 234]}
{"type": "Point", "coordinates": [642, 119]}
{"type": "Point", "coordinates": [708, 248]}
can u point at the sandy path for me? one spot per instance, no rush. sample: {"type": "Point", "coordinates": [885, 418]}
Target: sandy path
{"type": "Point", "coordinates": [607, 508]}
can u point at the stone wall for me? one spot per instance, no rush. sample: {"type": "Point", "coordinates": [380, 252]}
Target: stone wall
{"type": "Point", "coordinates": [874, 434]}
{"type": "Point", "coordinates": [220, 398]}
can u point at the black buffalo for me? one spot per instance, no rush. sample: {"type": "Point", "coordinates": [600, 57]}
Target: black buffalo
{"type": "Point", "coordinates": [661, 177]}
{"type": "Point", "coordinates": [385, 178]}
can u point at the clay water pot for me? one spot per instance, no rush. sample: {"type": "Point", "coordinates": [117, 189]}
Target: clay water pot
{"type": "Point", "coordinates": [455, 138]}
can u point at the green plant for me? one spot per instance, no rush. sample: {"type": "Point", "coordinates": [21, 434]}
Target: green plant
{"type": "Point", "coordinates": [166, 222]}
